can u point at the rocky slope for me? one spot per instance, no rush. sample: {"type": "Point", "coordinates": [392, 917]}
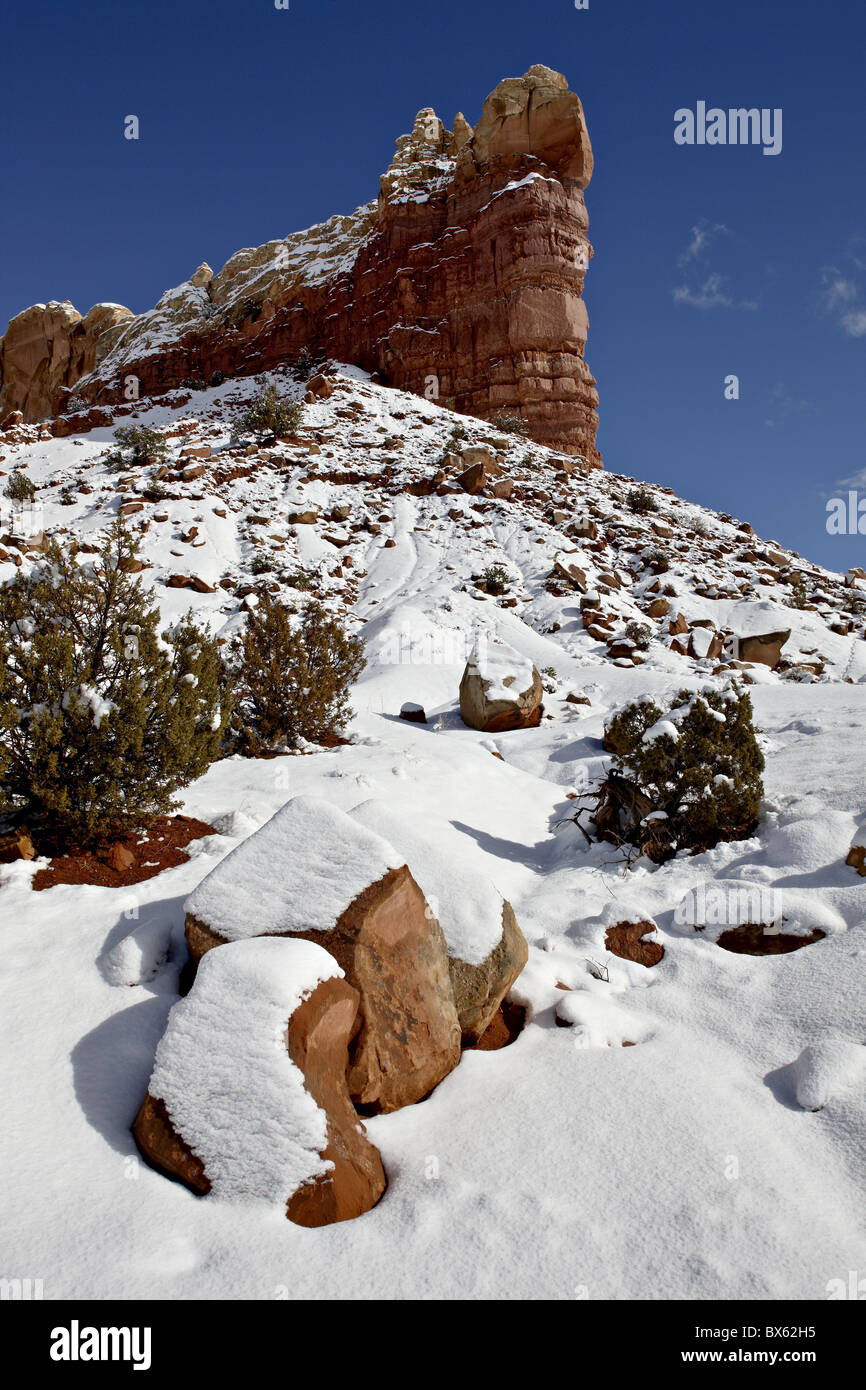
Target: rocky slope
{"type": "Point", "coordinates": [558, 559]}
{"type": "Point", "coordinates": [430, 532]}
{"type": "Point", "coordinates": [464, 282]}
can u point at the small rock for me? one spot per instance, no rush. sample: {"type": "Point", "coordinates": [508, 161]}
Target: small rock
{"type": "Point", "coordinates": [413, 713]}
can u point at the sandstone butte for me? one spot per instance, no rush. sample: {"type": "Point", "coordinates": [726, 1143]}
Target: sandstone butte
{"type": "Point", "coordinates": [463, 279]}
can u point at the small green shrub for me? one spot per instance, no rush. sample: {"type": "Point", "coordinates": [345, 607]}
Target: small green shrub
{"type": "Point", "coordinates": [20, 488]}
{"type": "Point", "coordinates": [292, 678]}
{"type": "Point", "coordinates": [642, 501]}
{"type": "Point", "coordinates": [798, 597]}
{"type": "Point", "coordinates": [686, 776]}
{"type": "Point", "coordinates": [306, 364]}
{"type": "Point", "coordinates": [262, 564]}
{"type": "Point", "coordinates": [100, 721]}
{"type": "Point", "coordinates": [139, 445]}
{"type": "Point", "coordinates": [269, 415]}
{"type": "Point", "coordinates": [495, 579]}
{"type": "Point", "coordinates": [639, 634]}
{"type": "Point", "coordinates": [511, 423]}
{"type": "Point", "coordinates": [300, 580]}
{"type": "Point", "coordinates": [154, 493]}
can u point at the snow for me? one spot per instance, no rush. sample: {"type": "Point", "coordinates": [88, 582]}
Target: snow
{"type": "Point", "coordinates": [138, 957]}
{"type": "Point", "coordinates": [298, 873]}
{"type": "Point", "coordinates": [598, 1022]}
{"type": "Point", "coordinates": [826, 1068]}
{"type": "Point", "coordinates": [539, 1147]}
{"type": "Point", "coordinates": [504, 671]}
{"type": "Point", "coordinates": [467, 906]}
{"type": "Point", "coordinates": [224, 1072]}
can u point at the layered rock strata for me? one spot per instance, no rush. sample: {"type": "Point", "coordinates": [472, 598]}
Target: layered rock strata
{"type": "Point", "coordinates": [462, 282]}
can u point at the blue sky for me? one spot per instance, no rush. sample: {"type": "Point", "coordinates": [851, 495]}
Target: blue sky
{"type": "Point", "coordinates": [709, 261]}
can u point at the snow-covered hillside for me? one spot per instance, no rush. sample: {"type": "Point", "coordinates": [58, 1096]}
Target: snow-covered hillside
{"type": "Point", "coordinates": [566, 1165]}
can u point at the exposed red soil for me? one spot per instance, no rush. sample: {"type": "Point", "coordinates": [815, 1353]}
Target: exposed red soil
{"type": "Point", "coordinates": [626, 941]}
{"type": "Point", "coordinates": [507, 1025]}
{"type": "Point", "coordinates": [753, 939]}
{"type": "Point", "coordinates": [160, 846]}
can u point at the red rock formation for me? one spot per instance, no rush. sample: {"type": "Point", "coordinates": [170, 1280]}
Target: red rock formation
{"type": "Point", "coordinates": [393, 952]}
{"type": "Point", "coordinates": [317, 1038]}
{"type": "Point", "coordinates": [46, 350]}
{"type": "Point", "coordinates": [465, 281]}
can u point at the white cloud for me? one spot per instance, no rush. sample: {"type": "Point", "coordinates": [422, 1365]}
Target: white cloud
{"type": "Point", "coordinates": [702, 234]}
{"type": "Point", "coordinates": [857, 481]}
{"type": "Point", "coordinates": [840, 295]}
{"type": "Point", "coordinates": [836, 290]}
{"type": "Point", "coordinates": [711, 295]}
{"type": "Point", "coordinates": [854, 323]}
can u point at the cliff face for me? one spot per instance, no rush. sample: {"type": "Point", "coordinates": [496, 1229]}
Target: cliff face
{"type": "Point", "coordinates": [464, 280]}
{"type": "Point", "coordinates": [46, 350]}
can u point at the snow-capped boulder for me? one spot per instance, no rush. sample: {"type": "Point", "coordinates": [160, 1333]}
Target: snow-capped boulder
{"type": "Point", "coordinates": [486, 948]}
{"type": "Point", "coordinates": [139, 956]}
{"type": "Point", "coordinates": [500, 690]}
{"type": "Point", "coordinates": [314, 872]}
{"type": "Point", "coordinates": [825, 1068]}
{"type": "Point", "coordinates": [248, 1096]}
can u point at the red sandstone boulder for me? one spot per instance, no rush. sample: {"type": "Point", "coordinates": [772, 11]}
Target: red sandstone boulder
{"type": "Point", "coordinates": [765, 650]}
{"type": "Point", "coordinates": [567, 572]}
{"type": "Point", "coordinates": [17, 844]}
{"type": "Point", "coordinates": [486, 948]}
{"type": "Point", "coordinates": [500, 690]}
{"type": "Point", "coordinates": [313, 873]}
{"type": "Point", "coordinates": [248, 1097]}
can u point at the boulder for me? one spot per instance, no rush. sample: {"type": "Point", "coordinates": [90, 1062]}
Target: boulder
{"type": "Point", "coordinates": [500, 690]}
{"type": "Point", "coordinates": [252, 1108]}
{"type": "Point", "coordinates": [486, 948]}
{"type": "Point", "coordinates": [856, 859]}
{"type": "Point", "coordinates": [474, 479]}
{"type": "Point", "coordinates": [120, 857]}
{"type": "Point", "coordinates": [479, 454]}
{"type": "Point", "coordinates": [764, 650]}
{"type": "Point", "coordinates": [567, 571]}
{"type": "Point", "coordinates": [17, 844]}
{"type": "Point", "coordinates": [415, 714]}
{"type": "Point", "coordinates": [480, 989]}
{"type": "Point", "coordinates": [347, 889]}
